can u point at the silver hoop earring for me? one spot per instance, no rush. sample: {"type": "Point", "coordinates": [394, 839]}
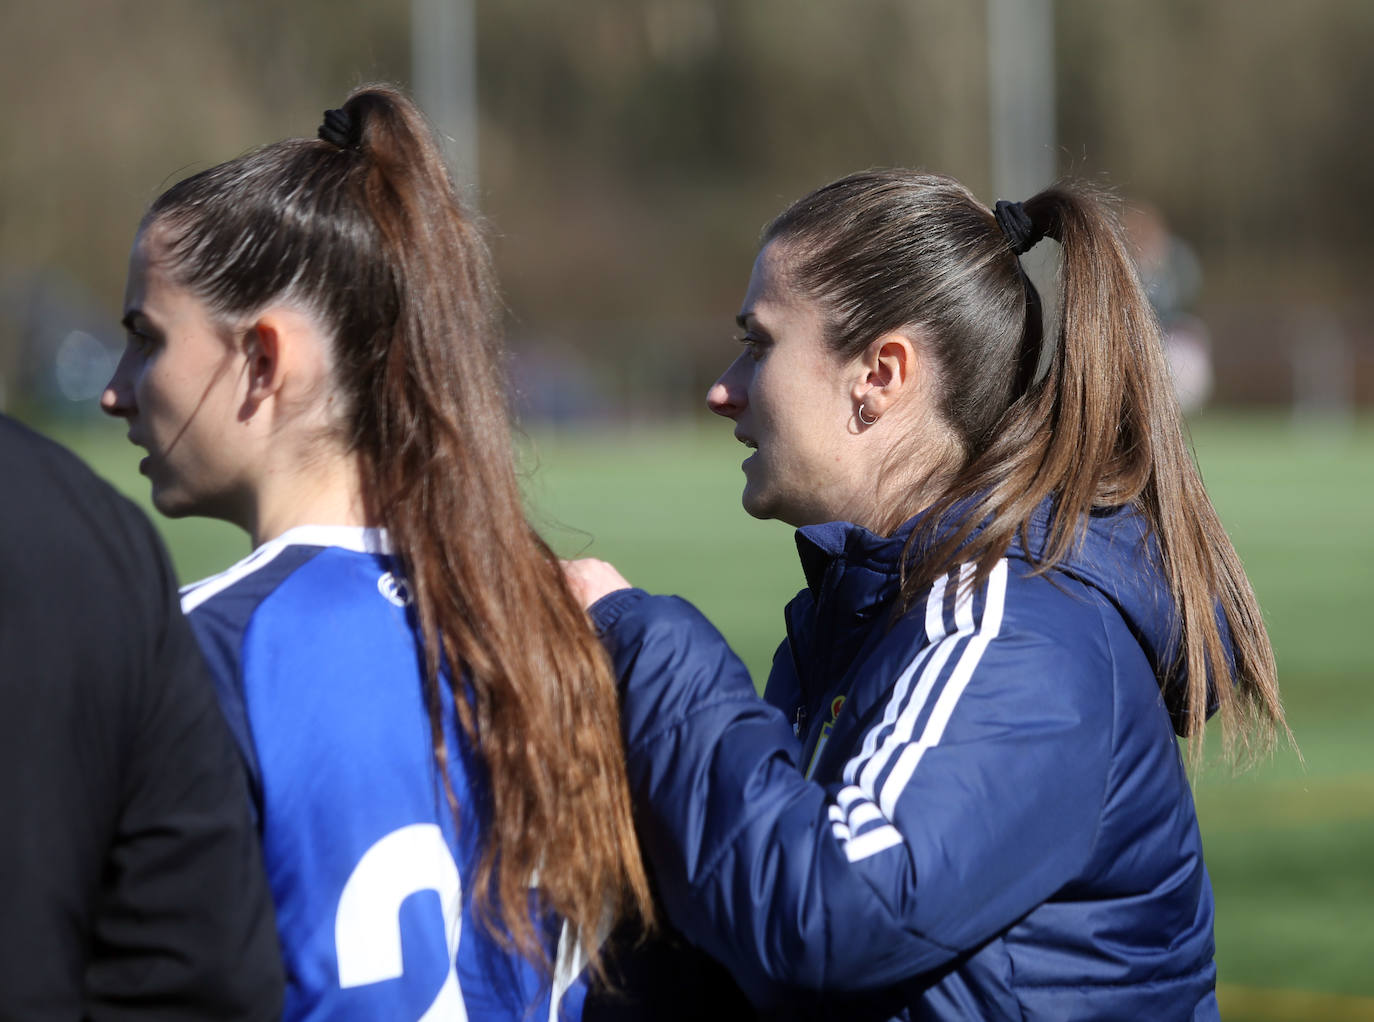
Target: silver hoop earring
{"type": "Point", "coordinates": [866, 422]}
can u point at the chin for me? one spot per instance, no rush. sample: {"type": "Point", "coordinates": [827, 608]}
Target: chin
{"type": "Point", "coordinates": [762, 516]}
{"type": "Point", "coordinates": [761, 507]}
{"type": "Point", "coordinates": [174, 500]}
{"type": "Point", "coordinates": [755, 505]}
{"type": "Point", "coordinates": [172, 505]}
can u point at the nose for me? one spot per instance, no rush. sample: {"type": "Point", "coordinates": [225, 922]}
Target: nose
{"type": "Point", "coordinates": [727, 396]}
{"type": "Point", "coordinates": [117, 398]}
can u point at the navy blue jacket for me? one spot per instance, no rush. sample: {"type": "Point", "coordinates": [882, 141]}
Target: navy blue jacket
{"type": "Point", "coordinates": [978, 811]}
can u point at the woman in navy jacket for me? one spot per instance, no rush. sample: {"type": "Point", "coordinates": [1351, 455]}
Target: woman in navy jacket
{"type": "Point", "coordinates": [962, 796]}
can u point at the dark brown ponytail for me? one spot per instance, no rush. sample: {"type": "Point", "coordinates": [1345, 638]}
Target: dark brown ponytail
{"type": "Point", "coordinates": [364, 227]}
{"type": "Point", "coordinates": [1091, 423]}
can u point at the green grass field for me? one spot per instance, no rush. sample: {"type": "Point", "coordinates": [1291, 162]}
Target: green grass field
{"type": "Point", "coordinates": [1290, 846]}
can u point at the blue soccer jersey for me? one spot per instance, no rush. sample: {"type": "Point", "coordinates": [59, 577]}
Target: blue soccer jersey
{"type": "Point", "coordinates": [315, 656]}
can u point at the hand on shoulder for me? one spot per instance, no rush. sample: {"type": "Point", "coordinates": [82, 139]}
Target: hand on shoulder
{"type": "Point", "coordinates": [591, 579]}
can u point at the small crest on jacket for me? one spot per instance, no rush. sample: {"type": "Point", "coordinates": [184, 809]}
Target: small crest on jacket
{"type": "Point", "coordinates": [826, 728]}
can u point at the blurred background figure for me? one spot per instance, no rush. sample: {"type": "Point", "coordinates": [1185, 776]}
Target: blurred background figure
{"type": "Point", "coordinates": [1172, 277]}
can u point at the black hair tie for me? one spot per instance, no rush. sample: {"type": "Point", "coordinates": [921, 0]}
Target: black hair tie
{"type": "Point", "coordinates": [340, 128]}
{"type": "Point", "coordinates": [1017, 225]}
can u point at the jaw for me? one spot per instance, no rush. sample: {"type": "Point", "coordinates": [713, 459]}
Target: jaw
{"type": "Point", "coordinates": [762, 500]}
{"type": "Point", "coordinates": [754, 497]}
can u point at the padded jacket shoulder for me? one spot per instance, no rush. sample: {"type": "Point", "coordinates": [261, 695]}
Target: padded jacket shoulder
{"type": "Point", "coordinates": [978, 811]}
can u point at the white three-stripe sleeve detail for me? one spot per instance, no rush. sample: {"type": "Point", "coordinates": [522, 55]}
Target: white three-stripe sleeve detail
{"type": "Point", "coordinates": [935, 610]}
{"type": "Point", "coordinates": [864, 812]}
{"type": "Point", "coordinates": [873, 842]}
{"type": "Point", "coordinates": [935, 631]}
{"type": "Point", "coordinates": [901, 774]}
{"type": "Point", "coordinates": [992, 625]}
{"type": "Point", "coordinates": [963, 599]}
{"type": "Point", "coordinates": [939, 654]}
{"type": "Point", "coordinates": [848, 795]}
{"type": "Point", "coordinates": [906, 719]}
{"type": "Point", "coordinates": [859, 803]}
{"type": "Point", "coordinates": [911, 755]}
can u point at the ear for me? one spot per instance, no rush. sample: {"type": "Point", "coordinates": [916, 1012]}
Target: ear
{"type": "Point", "coordinates": [888, 368]}
{"type": "Point", "coordinates": [262, 350]}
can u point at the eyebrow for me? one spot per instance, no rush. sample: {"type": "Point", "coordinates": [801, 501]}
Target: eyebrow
{"type": "Point", "coordinates": [132, 318]}
{"type": "Point", "coordinates": [743, 320]}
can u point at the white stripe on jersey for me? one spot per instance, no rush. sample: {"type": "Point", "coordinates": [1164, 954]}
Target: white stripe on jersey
{"type": "Point", "coordinates": [865, 768]}
{"type": "Point", "coordinates": [569, 961]}
{"type": "Point", "coordinates": [349, 537]}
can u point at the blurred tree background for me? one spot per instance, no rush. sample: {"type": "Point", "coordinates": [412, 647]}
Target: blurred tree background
{"type": "Point", "coordinates": [630, 150]}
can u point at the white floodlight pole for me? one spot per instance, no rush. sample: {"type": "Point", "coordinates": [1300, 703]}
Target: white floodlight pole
{"type": "Point", "coordinates": [1021, 115]}
{"type": "Point", "coordinates": [443, 48]}
{"type": "Point", "coordinates": [1021, 94]}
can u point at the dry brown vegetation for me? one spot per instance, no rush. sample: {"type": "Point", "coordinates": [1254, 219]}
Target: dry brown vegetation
{"type": "Point", "coordinates": [631, 149]}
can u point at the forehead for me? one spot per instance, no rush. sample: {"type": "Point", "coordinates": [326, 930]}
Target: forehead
{"type": "Point", "coordinates": [150, 276]}
{"type": "Point", "coordinates": [773, 301]}
{"type": "Point", "coordinates": [144, 270]}
{"type": "Point", "coordinates": [769, 290]}
{"type": "Point", "coordinates": [152, 292]}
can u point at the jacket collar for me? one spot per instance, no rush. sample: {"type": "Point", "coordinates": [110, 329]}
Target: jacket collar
{"type": "Point", "coordinates": [1116, 555]}
{"type": "Point", "coordinates": [821, 546]}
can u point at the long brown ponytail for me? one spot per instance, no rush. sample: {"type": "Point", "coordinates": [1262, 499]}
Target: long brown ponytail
{"type": "Point", "coordinates": [366, 230]}
{"type": "Point", "coordinates": [1090, 423]}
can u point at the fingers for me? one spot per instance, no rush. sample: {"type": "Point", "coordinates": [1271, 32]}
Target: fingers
{"type": "Point", "coordinates": [591, 579]}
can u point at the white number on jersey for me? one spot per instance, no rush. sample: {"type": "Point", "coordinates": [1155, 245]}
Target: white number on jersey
{"type": "Point", "coordinates": [367, 928]}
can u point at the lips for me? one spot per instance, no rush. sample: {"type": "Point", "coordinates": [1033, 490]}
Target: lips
{"type": "Point", "coordinates": [753, 448]}
{"type": "Point", "coordinates": [143, 462]}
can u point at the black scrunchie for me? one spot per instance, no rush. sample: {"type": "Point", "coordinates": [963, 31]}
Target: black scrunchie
{"type": "Point", "coordinates": [1017, 225]}
{"type": "Point", "coordinates": [341, 129]}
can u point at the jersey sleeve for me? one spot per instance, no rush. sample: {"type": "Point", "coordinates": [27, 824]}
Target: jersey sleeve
{"type": "Point", "coordinates": [971, 796]}
{"type": "Point", "coordinates": [219, 636]}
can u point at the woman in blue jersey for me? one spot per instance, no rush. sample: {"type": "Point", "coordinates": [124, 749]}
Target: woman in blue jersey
{"type": "Point", "coordinates": [426, 716]}
{"type": "Point", "coordinates": [961, 796]}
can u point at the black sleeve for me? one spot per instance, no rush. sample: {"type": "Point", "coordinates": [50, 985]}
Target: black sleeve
{"type": "Point", "coordinates": [134, 883]}
{"type": "Point", "coordinates": [185, 864]}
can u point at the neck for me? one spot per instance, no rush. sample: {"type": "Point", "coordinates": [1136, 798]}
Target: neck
{"type": "Point", "coordinates": [327, 492]}
{"type": "Point", "coordinates": [907, 479]}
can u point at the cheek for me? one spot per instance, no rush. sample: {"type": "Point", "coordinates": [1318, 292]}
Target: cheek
{"type": "Point", "coordinates": [149, 390]}
{"type": "Point", "coordinates": [800, 413]}
{"type": "Point", "coordinates": [177, 389]}
{"type": "Point", "coordinates": [768, 395]}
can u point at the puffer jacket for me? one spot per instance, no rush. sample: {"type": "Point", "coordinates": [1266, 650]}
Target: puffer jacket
{"type": "Point", "coordinates": [978, 811]}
